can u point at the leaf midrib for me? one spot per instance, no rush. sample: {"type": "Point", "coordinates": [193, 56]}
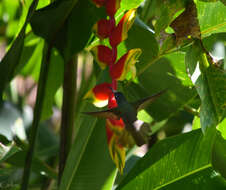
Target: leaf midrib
{"type": "Point", "coordinates": [184, 176]}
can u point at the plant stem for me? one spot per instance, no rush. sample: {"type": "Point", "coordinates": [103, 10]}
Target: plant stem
{"type": "Point", "coordinates": [37, 114]}
{"type": "Point", "coordinates": [68, 112]}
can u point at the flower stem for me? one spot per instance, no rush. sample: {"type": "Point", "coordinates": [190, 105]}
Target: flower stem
{"type": "Point", "coordinates": [68, 112]}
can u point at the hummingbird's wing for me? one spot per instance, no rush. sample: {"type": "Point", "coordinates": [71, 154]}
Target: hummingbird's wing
{"type": "Point", "coordinates": [113, 113]}
{"type": "Point", "coordinates": [141, 104]}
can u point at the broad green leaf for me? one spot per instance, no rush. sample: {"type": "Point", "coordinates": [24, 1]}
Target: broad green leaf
{"type": "Point", "coordinates": [174, 162]}
{"type": "Point", "coordinates": [66, 24]}
{"type": "Point", "coordinates": [11, 122]}
{"type": "Point", "coordinates": [11, 60]}
{"type": "Point", "coordinates": [47, 142]}
{"type": "Point", "coordinates": [53, 83]}
{"type": "Point", "coordinates": [217, 86]}
{"type": "Point", "coordinates": [210, 85]}
{"type": "Point", "coordinates": [89, 165]}
{"type": "Point", "coordinates": [129, 4]}
{"type": "Point", "coordinates": [222, 128]}
{"type": "Point", "coordinates": [166, 73]}
{"type": "Point", "coordinates": [219, 155]}
{"type": "Point", "coordinates": [10, 178]}
{"type": "Point", "coordinates": [177, 123]}
{"type": "Point", "coordinates": [209, 0]}
{"type": "Point", "coordinates": [196, 123]}
{"type": "Point", "coordinates": [207, 179]}
{"type": "Point", "coordinates": [213, 39]}
{"type": "Point", "coordinates": [212, 17]}
{"type": "Point", "coordinates": [141, 36]}
{"type": "Point", "coordinates": [31, 57]}
{"type": "Point", "coordinates": [7, 151]}
{"type": "Point", "coordinates": [38, 166]}
{"type": "Point", "coordinates": [32, 68]}
{"type": "Point", "coordinates": [31, 60]}
{"type": "Point", "coordinates": [164, 13]}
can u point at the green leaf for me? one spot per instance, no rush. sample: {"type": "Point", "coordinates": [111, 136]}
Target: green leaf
{"type": "Point", "coordinates": [47, 142]}
{"type": "Point", "coordinates": [38, 166]}
{"type": "Point", "coordinates": [11, 60]}
{"type": "Point", "coordinates": [53, 83]}
{"type": "Point", "coordinates": [141, 36]}
{"type": "Point", "coordinates": [164, 13]}
{"type": "Point", "coordinates": [31, 57]}
{"type": "Point", "coordinates": [129, 4]}
{"type": "Point", "coordinates": [66, 24]}
{"type": "Point", "coordinates": [222, 128]}
{"type": "Point", "coordinates": [212, 40]}
{"type": "Point", "coordinates": [174, 162]}
{"type": "Point", "coordinates": [89, 165]}
{"type": "Point", "coordinates": [210, 85]}
{"type": "Point", "coordinates": [196, 123]}
{"type": "Point", "coordinates": [7, 151]}
{"type": "Point", "coordinates": [219, 155]}
{"type": "Point", "coordinates": [217, 86]}
{"type": "Point", "coordinates": [11, 122]}
{"type": "Point", "coordinates": [212, 17]}
{"type": "Point", "coordinates": [9, 178]}
{"type": "Point", "coordinates": [169, 72]}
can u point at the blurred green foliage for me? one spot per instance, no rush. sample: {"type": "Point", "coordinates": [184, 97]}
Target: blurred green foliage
{"type": "Point", "coordinates": [192, 69]}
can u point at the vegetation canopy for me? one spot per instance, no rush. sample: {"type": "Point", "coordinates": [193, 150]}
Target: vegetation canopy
{"type": "Point", "coordinates": [112, 94]}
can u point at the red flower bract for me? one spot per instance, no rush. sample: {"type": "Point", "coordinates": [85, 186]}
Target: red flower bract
{"type": "Point", "coordinates": [112, 6]}
{"type": "Point", "coordinates": [102, 91]}
{"type": "Point", "coordinates": [119, 34]}
{"type": "Point", "coordinates": [103, 55]}
{"type": "Point", "coordinates": [125, 64]}
{"type": "Point", "coordinates": [103, 28]}
{"type": "Point", "coordinates": [99, 94]}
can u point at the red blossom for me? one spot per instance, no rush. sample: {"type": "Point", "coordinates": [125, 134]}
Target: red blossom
{"type": "Point", "coordinates": [99, 94]}
{"type": "Point", "coordinates": [112, 6]}
{"type": "Point", "coordinates": [103, 55]}
{"type": "Point", "coordinates": [103, 28]}
{"type": "Point", "coordinates": [125, 64]}
{"type": "Point", "coordinates": [119, 34]}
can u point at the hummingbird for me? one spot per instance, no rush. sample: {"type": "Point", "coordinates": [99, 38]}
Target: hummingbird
{"type": "Point", "coordinates": [139, 130]}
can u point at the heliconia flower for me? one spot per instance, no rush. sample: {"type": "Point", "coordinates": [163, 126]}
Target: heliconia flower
{"type": "Point", "coordinates": [99, 94]}
{"type": "Point", "coordinates": [120, 33]}
{"type": "Point", "coordinates": [103, 28]}
{"type": "Point", "coordinates": [125, 64]}
{"type": "Point", "coordinates": [99, 3]}
{"type": "Point", "coordinates": [103, 55]}
{"type": "Point", "coordinates": [112, 101]}
{"type": "Point", "coordinates": [117, 151]}
{"type": "Point", "coordinates": [112, 6]}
